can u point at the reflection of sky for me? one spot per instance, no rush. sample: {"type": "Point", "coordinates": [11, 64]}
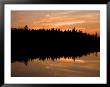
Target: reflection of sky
{"type": "Point", "coordinates": [87, 21]}
{"type": "Point", "coordinates": [83, 66]}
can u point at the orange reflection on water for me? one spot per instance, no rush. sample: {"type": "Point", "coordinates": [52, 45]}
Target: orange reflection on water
{"type": "Point", "coordinates": [88, 65]}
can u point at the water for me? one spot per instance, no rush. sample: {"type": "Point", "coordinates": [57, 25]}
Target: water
{"type": "Point", "coordinates": [84, 66]}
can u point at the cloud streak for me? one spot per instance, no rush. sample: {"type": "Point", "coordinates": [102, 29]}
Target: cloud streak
{"type": "Point", "coordinates": [82, 19]}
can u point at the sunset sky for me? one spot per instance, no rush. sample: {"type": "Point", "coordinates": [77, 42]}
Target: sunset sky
{"type": "Point", "coordinates": [84, 20]}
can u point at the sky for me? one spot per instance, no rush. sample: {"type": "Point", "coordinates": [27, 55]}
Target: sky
{"type": "Point", "coordinates": [84, 20]}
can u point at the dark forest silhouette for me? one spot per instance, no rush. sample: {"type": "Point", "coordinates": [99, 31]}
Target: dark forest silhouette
{"type": "Point", "coordinates": [51, 43]}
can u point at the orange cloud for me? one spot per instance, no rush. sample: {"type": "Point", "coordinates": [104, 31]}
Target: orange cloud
{"type": "Point", "coordinates": [85, 20]}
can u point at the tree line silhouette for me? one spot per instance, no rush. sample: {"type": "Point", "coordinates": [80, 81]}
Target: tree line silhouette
{"type": "Point", "coordinates": [52, 43]}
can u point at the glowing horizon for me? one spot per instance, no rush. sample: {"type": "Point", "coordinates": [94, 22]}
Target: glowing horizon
{"type": "Point", "coordinates": [84, 20]}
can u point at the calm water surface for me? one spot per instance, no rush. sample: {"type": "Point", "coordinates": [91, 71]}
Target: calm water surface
{"type": "Point", "coordinates": [88, 65]}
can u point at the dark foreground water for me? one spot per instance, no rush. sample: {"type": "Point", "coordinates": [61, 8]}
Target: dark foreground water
{"type": "Point", "coordinates": [86, 65]}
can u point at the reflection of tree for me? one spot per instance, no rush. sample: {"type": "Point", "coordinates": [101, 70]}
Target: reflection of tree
{"type": "Point", "coordinates": [26, 62]}
{"type": "Point", "coordinates": [96, 54]}
{"type": "Point", "coordinates": [27, 58]}
{"type": "Point", "coordinates": [51, 44]}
